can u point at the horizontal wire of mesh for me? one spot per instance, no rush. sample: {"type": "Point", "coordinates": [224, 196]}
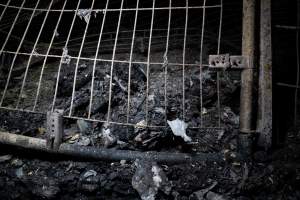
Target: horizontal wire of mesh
{"type": "Point", "coordinates": [87, 49]}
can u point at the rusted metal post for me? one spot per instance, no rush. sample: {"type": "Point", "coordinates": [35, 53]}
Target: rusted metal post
{"type": "Point", "coordinates": [248, 49]}
{"type": "Point", "coordinates": [265, 77]}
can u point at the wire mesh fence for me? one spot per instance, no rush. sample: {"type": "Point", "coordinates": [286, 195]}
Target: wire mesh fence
{"type": "Point", "coordinates": [114, 61]}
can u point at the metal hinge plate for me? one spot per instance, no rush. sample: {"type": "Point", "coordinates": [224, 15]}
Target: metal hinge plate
{"type": "Point", "coordinates": [54, 129]}
{"type": "Point", "coordinates": [219, 61]}
{"type": "Point", "coordinates": [224, 61]}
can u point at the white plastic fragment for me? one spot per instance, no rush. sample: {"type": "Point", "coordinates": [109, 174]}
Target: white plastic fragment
{"type": "Point", "coordinates": [84, 14]}
{"type": "Point", "coordinates": [178, 128]}
{"type": "Point", "coordinates": [66, 59]}
{"type": "Point", "coordinates": [204, 111]}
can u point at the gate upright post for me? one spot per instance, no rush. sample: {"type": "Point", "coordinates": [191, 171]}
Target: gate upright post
{"type": "Point", "coordinates": [265, 77]}
{"type": "Point", "coordinates": [248, 50]}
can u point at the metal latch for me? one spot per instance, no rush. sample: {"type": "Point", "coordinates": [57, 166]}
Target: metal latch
{"type": "Point", "coordinates": [54, 129]}
{"type": "Point", "coordinates": [224, 61]}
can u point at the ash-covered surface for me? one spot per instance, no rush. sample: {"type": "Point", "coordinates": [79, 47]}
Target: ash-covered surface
{"type": "Point", "coordinates": [31, 176]}
{"type": "Point", "coordinates": [170, 96]}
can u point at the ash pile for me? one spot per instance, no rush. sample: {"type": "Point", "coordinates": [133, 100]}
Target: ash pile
{"type": "Point", "coordinates": [30, 176]}
{"type": "Point", "coordinates": [140, 112]}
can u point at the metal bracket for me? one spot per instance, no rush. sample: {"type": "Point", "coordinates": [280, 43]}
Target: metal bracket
{"type": "Point", "coordinates": [219, 61]}
{"type": "Point", "coordinates": [239, 62]}
{"type": "Point", "coordinates": [224, 61]}
{"type": "Point", "coordinates": [54, 129]}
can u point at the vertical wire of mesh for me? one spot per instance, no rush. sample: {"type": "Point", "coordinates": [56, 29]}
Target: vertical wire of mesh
{"type": "Point", "coordinates": [3, 46]}
{"type": "Point", "coordinates": [130, 61]}
{"type": "Point", "coordinates": [61, 60]}
{"type": "Point", "coordinates": [151, 31]}
{"type": "Point", "coordinates": [112, 64]}
{"type": "Point", "coordinates": [165, 65]}
{"type": "Point", "coordinates": [17, 51]}
{"type": "Point", "coordinates": [13, 25]}
{"type": "Point", "coordinates": [95, 60]}
{"type": "Point", "coordinates": [218, 73]}
{"type": "Point", "coordinates": [4, 10]}
{"type": "Point", "coordinates": [46, 56]}
{"type": "Point", "coordinates": [78, 60]}
{"type": "Point", "coordinates": [183, 57]}
{"type": "Point", "coordinates": [201, 63]}
{"type": "Point", "coordinates": [32, 53]}
{"type": "Point", "coordinates": [148, 62]}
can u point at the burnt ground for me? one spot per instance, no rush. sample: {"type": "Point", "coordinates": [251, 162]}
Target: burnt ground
{"type": "Point", "coordinates": [33, 175]}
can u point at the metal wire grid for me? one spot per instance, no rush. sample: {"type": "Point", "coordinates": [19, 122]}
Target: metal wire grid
{"type": "Point", "coordinates": [97, 58]}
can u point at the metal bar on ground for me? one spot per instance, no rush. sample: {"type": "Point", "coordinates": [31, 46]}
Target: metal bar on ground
{"type": "Point", "coordinates": [94, 153]}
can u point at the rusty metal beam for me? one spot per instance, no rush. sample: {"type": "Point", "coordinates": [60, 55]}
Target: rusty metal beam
{"type": "Point", "coordinates": [88, 152]}
{"type": "Point", "coordinates": [265, 77]}
{"type": "Point", "coordinates": [248, 49]}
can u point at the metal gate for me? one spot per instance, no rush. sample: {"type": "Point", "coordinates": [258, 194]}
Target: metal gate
{"type": "Point", "coordinates": [128, 63]}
